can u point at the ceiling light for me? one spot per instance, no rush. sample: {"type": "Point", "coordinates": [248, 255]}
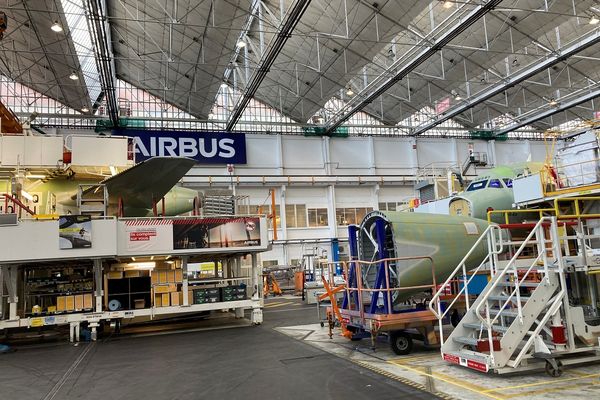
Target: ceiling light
{"type": "Point", "coordinates": [447, 4]}
{"type": "Point", "coordinates": [241, 44]}
{"type": "Point", "coordinates": [224, 85]}
{"type": "Point", "coordinates": [143, 265]}
{"type": "Point", "coordinates": [113, 170]}
{"type": "Point", "coordinates": [458, 97]}
{"type": "Point", "coordinates": [73, 76]}
{"type": "Point", "coordinates": [26, 195]}
{"type": "Point", "coordinates": [349, 91]}
{"type": "Point", "coordinates": [36, 176]}
{"type": "Point", "coordinates": [553, 102]}
{"type": "Point", "coordinates": [85, 109]}
{"type": "Point", "coordinates": [594, 20]}
{"type": "Point", "coordinates": [56, 27]}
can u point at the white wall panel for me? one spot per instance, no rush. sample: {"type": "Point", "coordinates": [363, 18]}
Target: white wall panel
{"type": "Point", "coordinates": [354, 197]}
{"type": "Point", "coordinates": [434, 151]}
{"type": "Point", "coordinates": [509, 153]}
{"type": "Point", "coordinates": [303, 155]}
{"type": "Point", "coordinates": [99, 151]}
{"type": "Point", "coordinates": [350, 156]}
{"type": "Point", "coordinates": [393, 155]}
{"type": "Point", "coordinates": [261, 152]}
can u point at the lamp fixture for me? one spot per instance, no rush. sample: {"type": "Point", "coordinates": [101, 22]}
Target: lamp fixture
{"type": "Point", "coordinates": [113, 170]}
{"type": "Point", "coordinates": [73, 76]}
{"type": "Point", "coordinates": [240, 44]}
{"type": "Point", "coordinates": [447, 4]}
{"type": "Point", "coordinates": [349, 91]}
{"type": "Point", "coordinates": [26, 195]}
{"type": "Point", "coordinates": [594, 20]}
{"type": "Point", "coordinates": [56, 27]}
{"type": "Point", "coordinates": [553, 102]}
{"type": "Point", "coordinates": [85, 109]}
{"type": "Point", "coordinates": [36, 176]}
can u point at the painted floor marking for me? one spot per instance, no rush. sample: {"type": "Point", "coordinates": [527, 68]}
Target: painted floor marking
{"type": "Point", "coordinates": [452, 381]}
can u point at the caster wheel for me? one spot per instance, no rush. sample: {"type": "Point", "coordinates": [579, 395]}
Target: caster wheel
{"type": "Point", "coordinates": [322, 324]}
{"type": "Point", "coordinates": [554, 368]}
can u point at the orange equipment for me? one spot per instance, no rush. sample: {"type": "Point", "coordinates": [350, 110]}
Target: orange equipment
{"type": "Point", "coordinates": [9, 123]}
{"type": "Point", "coordinates": [270, 285]}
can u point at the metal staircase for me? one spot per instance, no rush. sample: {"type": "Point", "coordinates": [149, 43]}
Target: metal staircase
{"type": "Point", "coordinates": [92, 199]}
{"type": "Point", "coordinates": [508, 322]}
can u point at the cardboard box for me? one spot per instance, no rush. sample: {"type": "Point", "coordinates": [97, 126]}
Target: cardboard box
{"type": "Point", "coordinates": [158, 300]}
{"type": "Point", "coordinates": [190, 297]}
{"type": "Point", "coordinates": [162, 277]}
{"type": "Point", "coordinates": [178, 276]}
{"type": "Point", "coordinates": [51, 309]}
{"type": "Point", "coordinates": [114, 275]}
{"type": "Point", "coordinates": [133, 274]}
{"type": "Point", "coordinates": [79, 302]}
{"type": "Point", "coordinates": [171, 287]}
{"type": "Point", "coordinates": [154, 277]}
{"type": "Point", "coordinates": [88, 301]}
{"type": "Point", "coordinates": [139, 303]}
{"type": "Point", "coordinates": [61, 303]}
{"type": "Point", "coordinates": [175, 298]}
{"type": "Point", "coordinates": [70, 303]}
{"type": "Point", "coordinates": [165, 299]}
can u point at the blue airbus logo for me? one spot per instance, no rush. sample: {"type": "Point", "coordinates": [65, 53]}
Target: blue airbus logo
{"type": "Point", "coordinates": [204, 147]}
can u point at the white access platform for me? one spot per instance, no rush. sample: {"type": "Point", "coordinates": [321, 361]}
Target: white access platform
{"type": "Point", "coordinates": [106, 242]}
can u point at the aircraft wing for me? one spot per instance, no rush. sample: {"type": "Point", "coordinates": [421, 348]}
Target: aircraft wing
{"type": "Point", "coordinates": [149, 180]}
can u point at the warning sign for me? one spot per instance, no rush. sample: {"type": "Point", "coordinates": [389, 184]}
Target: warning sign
{"type": "Point", "coordinates": [146, 236]}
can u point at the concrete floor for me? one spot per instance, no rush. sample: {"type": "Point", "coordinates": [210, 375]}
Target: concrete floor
{"type": "Point", "coordinates": [425, 369]}
{"type": "Point", "coordinates": [204, 362]}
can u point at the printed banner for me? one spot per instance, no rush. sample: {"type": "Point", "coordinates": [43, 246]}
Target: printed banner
{"type": "Point", "coordinates": [143, 235]}
{"type": "Point", "coordinates": [204, 147]}
{"type": "Point", "coordinates": [75, 231]}
{"type": "Point", "coordinates": [216, 232]}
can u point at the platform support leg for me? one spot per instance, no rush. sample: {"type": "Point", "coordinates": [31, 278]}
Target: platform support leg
{"type": "Point", "coordinates": [257, 314]}
{"type": "Point", "coordinates": [11, 273]}
{"type": "Point", "coordinates": [94, 330]}
{"type": "Point", "coordinates": [74, 332]}
{"type": "Point", "coordinates": [184, 285]}
{"type": "Point", "coordinates": [98, 292]}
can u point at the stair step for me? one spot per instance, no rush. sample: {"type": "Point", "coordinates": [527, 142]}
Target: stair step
{"type": "Point", "coordinates": [524, 284]}
{"type": "Point", "coordinates": [495, 328]}
{"type": "Point", "coordinates": [505, 313]}
{"type": "Point", "coordinates": [466, 340]}
{"type": "Point", "coordinates": [505, 297]}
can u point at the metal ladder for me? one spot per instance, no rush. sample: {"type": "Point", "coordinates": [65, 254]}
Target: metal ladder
{"type": "Point", "coordinates": [505, 321]}
{"type": "Point", "coordinates": [92, 199]}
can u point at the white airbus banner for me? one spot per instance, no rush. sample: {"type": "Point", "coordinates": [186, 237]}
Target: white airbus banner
{"type": "Point", "coordinates": [144, 235]}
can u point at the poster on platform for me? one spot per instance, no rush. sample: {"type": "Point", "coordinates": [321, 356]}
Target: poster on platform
{"type": "Point", "coordinates": [216, 232]}
{"type": "Point", "coordinates": [149, 235]}
{"type": "Point", "coordinates": [75, 231]}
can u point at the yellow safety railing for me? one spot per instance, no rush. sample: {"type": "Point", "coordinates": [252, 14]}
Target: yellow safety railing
{"type": "Point", "coordinates": [556, 210]}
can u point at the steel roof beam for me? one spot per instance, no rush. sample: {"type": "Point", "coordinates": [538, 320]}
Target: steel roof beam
{"type": "Point", "coordinates": [521, 76]}
{"type": "Point", "coordinates": [422, 56]}
{"type": "Point", "coordinates": [548, 113]}
{"type": "Point", "coordinates": [285, 32]}
{"type": "Point", "coordinates": [103, 52]}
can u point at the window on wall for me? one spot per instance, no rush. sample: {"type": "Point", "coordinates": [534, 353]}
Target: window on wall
{"type": "Point", "coordinates": [387, 206]}
{"type": "Point", "coordinates": [348, 216]}
{"type": "Point", "coordinates": [295, 215]}
{"type": "Point", "coordinates": [317, 217]}
{"type": "Point", "coordinates": [269, 263]}
{"type": "Point", "coordinates": [249, 209]}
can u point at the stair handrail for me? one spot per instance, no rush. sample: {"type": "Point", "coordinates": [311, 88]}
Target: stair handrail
{"type": "Point", "coordinates": [461, 267]}
{"type": "Point", "coordinates": [501, 274]}
{"type": "Point", "coordinates": [551, 311]}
